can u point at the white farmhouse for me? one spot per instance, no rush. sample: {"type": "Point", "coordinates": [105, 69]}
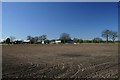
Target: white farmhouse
{"type": "Point", "coordinates": [43, 42]}
{"type": "Point", "coordinates": [17, 40]}
{"type": "Point", "coordinates": [1, 40]}
{"type": "Point", "coordinates": [58, 41]}
{"type": "Point", "coordinates": [26, 41]}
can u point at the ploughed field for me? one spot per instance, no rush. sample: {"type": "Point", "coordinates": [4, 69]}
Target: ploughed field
{"type": "Point", "coordinates": [60, 61]}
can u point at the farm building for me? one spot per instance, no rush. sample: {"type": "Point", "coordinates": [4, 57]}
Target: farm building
{"type": "Point", "coordinates": [26, 41]}
{"type": "Point", "coordinates": [2, 40]}
{"type": "Point", "coordinates": [57, 41]}
{"type": "Point", "coordinates": [17, 41]}
{"type": "Point", "coordinates": [43, 42]}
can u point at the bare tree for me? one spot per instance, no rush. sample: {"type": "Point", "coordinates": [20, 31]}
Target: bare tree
{"type": "Point", "coordinates": [36, 39]}
{"type": "Point", "coordinates": [8, 41]}
{"type": "Point", "coordinates": [97, 40]}
{"type": "Point", "coordinates": [106, 33]}
{"type": "Point", "coordinates": [64, 37]}
{"type": "Point", "coordinates": [113, 36]}
{"type": "Point", "coordinates": [30, 38]}
{"type": "Point", "coordinates": [12, 38]}
{"type": "Point", "coordinates": [42, 37]}
{"type": "Point", "coordinates": [76, 40]}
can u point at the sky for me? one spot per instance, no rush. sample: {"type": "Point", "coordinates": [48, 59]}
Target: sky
{"type": "Point", "coordinates": [60, 0]}
{"type": "Point", "coordinates": [84, 20]}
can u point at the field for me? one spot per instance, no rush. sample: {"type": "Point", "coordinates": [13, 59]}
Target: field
{"type": "Point", "coordinates": [60, 61]}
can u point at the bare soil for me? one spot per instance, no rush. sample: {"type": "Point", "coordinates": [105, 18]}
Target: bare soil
{"type": "Point", "coordinates": [60, 61]}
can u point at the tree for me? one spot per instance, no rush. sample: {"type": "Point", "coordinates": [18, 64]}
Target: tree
{"type": "Point", "coordinates": [80, 41]}
{"type": "Point", "coordinates": [12, 38]}
{"type": "Point", "coordinates": [97, 40]}
{"type": "Point", "coordinates": [47, 41]}
{"type": "Point", "coordinates": [36, 39]}
{"type": "Point", "coordinates": [8, 40]}
{"type": "Point", "coordinates": [113, 36]}
{"type": "Point", "coordinates": [64, 37]}
{"type": "Point", "coordinates": [76, 40]}
{"type": "Point", "coordinates": [30, 38]}
{"type": "Point", "coordinates": [40, 38]}
{"type": "Point", "coordinates": [87, 41]}
{"type": "Point", "coordinates": [44, 37]}
{"type": "Point", "coordinates": [106, 33]}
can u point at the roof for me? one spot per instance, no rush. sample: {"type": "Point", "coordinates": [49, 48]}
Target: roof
{"type": "Point", "coordinates": [26, 40]}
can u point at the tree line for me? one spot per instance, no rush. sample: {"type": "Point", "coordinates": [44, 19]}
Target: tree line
{"type": "Point", "coordinates": [108, 35]}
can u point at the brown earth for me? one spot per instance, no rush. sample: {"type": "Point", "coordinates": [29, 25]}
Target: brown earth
{"type": "Point", "coordinates": [60, 61]}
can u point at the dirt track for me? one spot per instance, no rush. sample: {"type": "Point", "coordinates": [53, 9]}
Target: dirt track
{"type": "Point", "coordinates": [60, 61]}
